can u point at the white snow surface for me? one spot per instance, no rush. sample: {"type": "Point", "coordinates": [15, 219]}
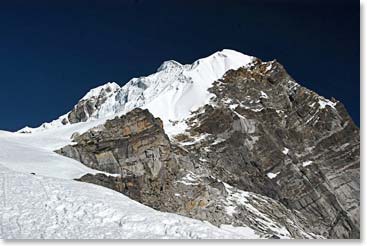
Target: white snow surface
{"type": "Point", "coordinates": [34, 153]}
{"type": "Point", "coordinates": [23, 157]}
{"type": "Point", "coordinates": [263, 95]}
{"type": "Point", "coordinates": [325, 102]}
{"type": "Point", "coordinates": [272, 175]}
{"type": "Point", "coordinates": [306, 163]}
{"type": "Point", "coordinates": [285, 151]}
{"type": "Point", "coordinates": [36, 207]}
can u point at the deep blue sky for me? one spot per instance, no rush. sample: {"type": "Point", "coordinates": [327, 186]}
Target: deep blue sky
{"type": "Point", "coordinates": [53, 52]}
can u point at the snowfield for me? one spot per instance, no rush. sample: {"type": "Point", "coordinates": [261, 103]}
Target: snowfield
{"type": "Point", "coordinates": [36, 207]}
{"type": "Point", "coordinates": [21, 156]}
{"type": "Point", "coordinates": [34, 152]}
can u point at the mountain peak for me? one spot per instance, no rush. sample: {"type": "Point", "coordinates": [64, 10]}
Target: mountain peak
{"type": "Point", "coordinates": [225, 59]}
{"type": "Point", "coordinates": [168, 65]}
{"type": "Point", "coordinates": [229, 52]}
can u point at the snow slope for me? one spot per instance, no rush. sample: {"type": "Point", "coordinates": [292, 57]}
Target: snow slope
{"type": "Point", "coordinates": [26, 158]}
{"type": "Point", "coordinates": [34, 153]}
{"type": "Point", "coordinates": [35, 207]}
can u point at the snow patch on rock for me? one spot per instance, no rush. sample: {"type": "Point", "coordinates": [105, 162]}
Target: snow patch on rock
{"type": "Point", "coordinates": [285, 151]}
{"type": "Point", "coordinates": [324, 102]}
{"type": "Point", "coordinates": [272, 175]}
{"type": "Point", "coordinates": [307, 163]}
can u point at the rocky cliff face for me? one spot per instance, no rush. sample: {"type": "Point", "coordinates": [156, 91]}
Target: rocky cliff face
{"type": "Point", "coordinates": [265, 133]}
{"type": "Point", "coordinates": [133, 146]}
{"type": "Point", "coordinates": [265, 152]}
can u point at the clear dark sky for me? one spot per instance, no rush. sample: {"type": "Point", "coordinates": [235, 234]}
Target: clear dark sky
{"type": "Point", "coordinates": [53, 52]}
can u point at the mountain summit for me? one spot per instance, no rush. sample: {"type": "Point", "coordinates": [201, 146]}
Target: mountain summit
{"type": "Point", "coordinates": [171, 93]}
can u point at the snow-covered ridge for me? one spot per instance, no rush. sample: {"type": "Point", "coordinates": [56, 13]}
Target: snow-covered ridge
{"type": "Point", "coordinates": [109, 87]}
{"type": "Point", "coordinates": [171, 93]}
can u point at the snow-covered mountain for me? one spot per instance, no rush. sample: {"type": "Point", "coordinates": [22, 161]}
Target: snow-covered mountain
{"type": "Point", "coordinates": [171, 93]}
{"type": "Point", "coordinates": [229, 140]}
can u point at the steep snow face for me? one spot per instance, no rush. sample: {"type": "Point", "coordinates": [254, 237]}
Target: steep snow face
{"type": "Point", "coordinates": [190, 90]}
{"type": "Point", "coordinates": [108, 88]}
{"type": "Point", "coordinates": [171, 93]}
{"type": "Point", "coordinates": [36, 207]}
{"type": "Point", "coordinates": [175, 89]}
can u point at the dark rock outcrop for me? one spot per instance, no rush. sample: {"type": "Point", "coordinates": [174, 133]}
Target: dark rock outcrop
{"type": "Point", "coordinates": [136, 148]}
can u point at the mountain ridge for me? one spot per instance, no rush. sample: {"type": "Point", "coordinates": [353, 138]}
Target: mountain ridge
{"type": "Point", "coordinates": [168, 80]}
